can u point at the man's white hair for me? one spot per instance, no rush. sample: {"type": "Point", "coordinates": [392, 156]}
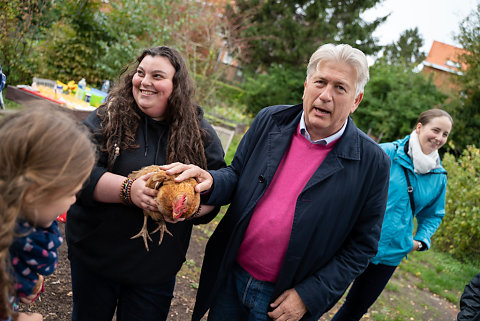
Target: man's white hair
{"type": "Point", "coordinates": [342, 53]}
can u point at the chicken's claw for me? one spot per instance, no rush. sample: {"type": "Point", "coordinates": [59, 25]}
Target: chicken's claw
{"type": "Point", "coordinates": [162, 227]}
{"type": "Point", "coordinates": [144, 233]}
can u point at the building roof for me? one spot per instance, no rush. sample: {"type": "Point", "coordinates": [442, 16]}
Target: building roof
{"type": "Point", "coordinates": [445, 57]}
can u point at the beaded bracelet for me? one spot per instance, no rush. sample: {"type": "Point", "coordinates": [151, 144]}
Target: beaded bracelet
{"type": "Point", "coordinates": [126, 191]}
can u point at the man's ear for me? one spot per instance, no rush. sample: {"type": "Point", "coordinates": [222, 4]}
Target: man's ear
{"type": "Point", "coordinates": [356, 102]}
{"type": "Point", "coordinates": [304, 87]}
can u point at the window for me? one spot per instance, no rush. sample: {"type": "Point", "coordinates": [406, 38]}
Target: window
{"type": "Point", "coordinates": [453, 64]}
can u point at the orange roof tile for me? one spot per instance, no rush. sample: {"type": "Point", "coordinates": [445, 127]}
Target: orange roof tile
{"type": "Point", "coordinates": [445, 57]}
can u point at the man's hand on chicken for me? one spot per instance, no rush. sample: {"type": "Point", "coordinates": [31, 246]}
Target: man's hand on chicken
{"type": "Point", "coordinates": [185, 172]}
{"type": "Point", "coordinates": [202, 177]}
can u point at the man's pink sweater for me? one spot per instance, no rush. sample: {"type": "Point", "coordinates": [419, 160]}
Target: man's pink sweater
{"type": "Point", "coordinates": [266, 239]}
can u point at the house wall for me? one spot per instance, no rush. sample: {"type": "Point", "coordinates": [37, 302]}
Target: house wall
{"type": "Point", "coordinates": [444, 81]}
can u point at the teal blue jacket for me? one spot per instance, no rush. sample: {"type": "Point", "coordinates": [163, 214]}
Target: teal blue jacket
{"type": "Point", "coordinates": [396, 239]}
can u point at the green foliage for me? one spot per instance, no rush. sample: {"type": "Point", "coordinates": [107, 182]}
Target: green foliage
{"type": "Point", "coordinates": [222, 93]}
{"type": "Point", "coordinates": [278, 86]}
{"type": "Point", "coordinates": [470, 39]}
{"type": "Point", "coordinates": [394, 97]}
{"type": "Point", "coordinates": [407, 50]}
{"type": "Point", "coordinates": [459, 233]}
{"type": "Point", "coordinates": [70, 47]}
{"type": "Point", "coordinates": [95, 39]}
{"type": "Point", "coordinates": [465, 108]}
{"type": "Point", "coordinates": [21, 21]}
{"type": "Point", "coordinates": [132, 26]}
{"type": "Point", "coordinates": [229, 116]}
{"type": "Point", "coordinates": [229, 92]}
{"type": "Point", "coordinates": [288, 32]}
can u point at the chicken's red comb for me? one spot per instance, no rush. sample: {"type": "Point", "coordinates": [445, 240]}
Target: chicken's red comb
{"type": "Point", "coordinates": [179, 207]}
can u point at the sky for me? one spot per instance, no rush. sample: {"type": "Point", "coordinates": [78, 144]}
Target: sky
{"type": "Point", "coordinates": [436, 19]}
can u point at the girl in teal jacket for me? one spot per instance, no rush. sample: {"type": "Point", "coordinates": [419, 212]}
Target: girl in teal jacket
{"type": "Point", "coordinates": [417, 188]}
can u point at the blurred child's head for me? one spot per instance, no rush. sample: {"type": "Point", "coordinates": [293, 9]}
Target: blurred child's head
{"type": "Point", "coordinates": [45, 156]}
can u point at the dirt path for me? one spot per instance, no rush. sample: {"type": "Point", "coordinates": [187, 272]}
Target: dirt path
{"type": "Point", "coordinates": [56, 303]}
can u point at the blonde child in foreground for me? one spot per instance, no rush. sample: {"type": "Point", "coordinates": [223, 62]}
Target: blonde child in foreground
{"type": "Point", "coordinates": [45, 157]}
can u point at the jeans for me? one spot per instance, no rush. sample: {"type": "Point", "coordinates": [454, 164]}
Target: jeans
{"type": "Point", "coordinates": [242, 298]}
{"type": "Point", "coordinates": [365, 290]}
{"type": "Point", "coordinates": [96, 298]}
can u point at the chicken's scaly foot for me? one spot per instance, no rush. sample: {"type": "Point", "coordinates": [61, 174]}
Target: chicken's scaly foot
{"type": "Point", "coordinates": [143, 233]}
{"type": "Point", "coordinates": [162, 227]}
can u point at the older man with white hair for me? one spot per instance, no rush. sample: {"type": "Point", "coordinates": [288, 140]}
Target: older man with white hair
{"type": "Point", "coordinates": [307, 193]}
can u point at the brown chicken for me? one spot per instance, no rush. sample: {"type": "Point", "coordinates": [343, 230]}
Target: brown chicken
{"type": "Point", "coordinates": [173, 200]}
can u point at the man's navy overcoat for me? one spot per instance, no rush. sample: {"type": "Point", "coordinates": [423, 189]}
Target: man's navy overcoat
{"type": "Point", "coordinates": [338, 215]}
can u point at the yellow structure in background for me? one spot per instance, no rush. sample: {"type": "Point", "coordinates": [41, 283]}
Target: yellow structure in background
{"type": "Point", "coordinates": [69, 100]}
{"type": "Point", "coordinates": [66, 94]}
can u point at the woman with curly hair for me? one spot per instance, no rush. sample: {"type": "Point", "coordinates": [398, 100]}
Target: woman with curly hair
{"type": "Point", "coordinates": [149, 118]}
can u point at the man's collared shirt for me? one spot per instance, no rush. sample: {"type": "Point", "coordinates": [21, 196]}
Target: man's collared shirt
{"type": "Point", "coordinates": [322, 141]}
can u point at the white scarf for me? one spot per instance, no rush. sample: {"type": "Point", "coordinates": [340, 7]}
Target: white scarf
{"type": "Point", "coordinates": [421, 163]}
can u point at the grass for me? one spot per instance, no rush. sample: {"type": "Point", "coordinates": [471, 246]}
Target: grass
{"type": "Point", "coordinates": [439, 273]}
{"type": "Point", "coordinates": [423, 283]}
{"type": "Point", "coordinates": [10, 105]}
{"type": "Point", "coordinates": [232, 148]}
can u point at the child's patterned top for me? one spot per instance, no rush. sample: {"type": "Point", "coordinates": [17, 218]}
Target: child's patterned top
{"type": "Point", "coordinates": [33, 252]}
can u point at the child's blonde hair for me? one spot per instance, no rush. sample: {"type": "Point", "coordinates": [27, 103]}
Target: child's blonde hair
{"type": "Point", "coordinates": [44, 150]}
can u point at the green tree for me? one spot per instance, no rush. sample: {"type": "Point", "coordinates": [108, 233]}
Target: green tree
{"type": "Point", "coordinates": [197, 35]}
{"type": "Point", "coordinates": [20, 24]}
{"type": "Point", "coordinates": [70, 48]}
{"type": "Point", "coordinates": [465, 108]}
{"type": "Point", "coordinates": [287, 32]}
{"type": "Point", "coordinates": [132, 25]}
{"type": "Point", "coordinates": [394, 97]}
{"type": "Point", "coordinates": [278, 86]}
{"type": "Point", "coordinates": [407, 50]}
{"type": "Point", "coordinates": [95, 40]}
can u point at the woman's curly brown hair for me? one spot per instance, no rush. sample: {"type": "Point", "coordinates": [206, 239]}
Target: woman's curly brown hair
{"type": "Point", "coordinates": [120, 116]}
